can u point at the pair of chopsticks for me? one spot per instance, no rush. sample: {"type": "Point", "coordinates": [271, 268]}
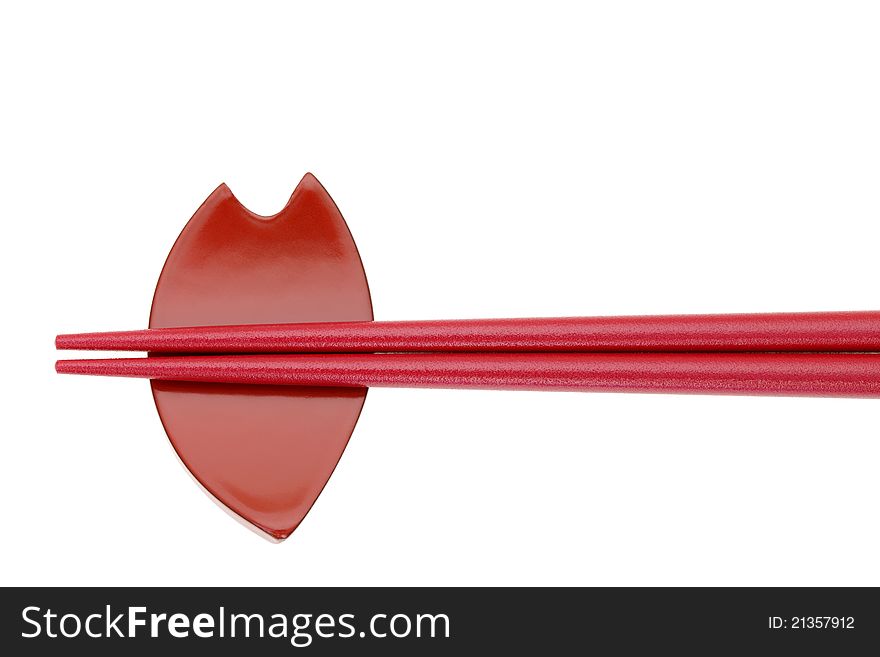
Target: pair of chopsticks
{"type": "Point", "coordinates": [814, 354]}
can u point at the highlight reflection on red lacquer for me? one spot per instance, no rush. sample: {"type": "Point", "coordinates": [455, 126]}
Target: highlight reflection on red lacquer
{"type": "Point", "coordinates": [265, 452]}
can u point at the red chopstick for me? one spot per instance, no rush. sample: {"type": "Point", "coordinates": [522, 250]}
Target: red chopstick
{"type": "Point", "coordinates": [830, 331]}
{"type": "Point", "coordinates": [822, 375]}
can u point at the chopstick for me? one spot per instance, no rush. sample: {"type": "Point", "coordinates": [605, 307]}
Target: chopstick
{"type": "Point", "coordinates": [825, 375]}
{"type": "Point", "coordinates": [801, 332]}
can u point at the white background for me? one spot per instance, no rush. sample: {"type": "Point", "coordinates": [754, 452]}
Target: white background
{"type": "Point", "coordinates": [491, 160]}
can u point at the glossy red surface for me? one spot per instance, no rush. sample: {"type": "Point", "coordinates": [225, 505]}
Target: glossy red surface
{"type": "Point", "coordinates": [816, 375]}
{"type": "Point", "coordinates": [265, 452]}
{"type": "Point", "coordinates": [829, 331]}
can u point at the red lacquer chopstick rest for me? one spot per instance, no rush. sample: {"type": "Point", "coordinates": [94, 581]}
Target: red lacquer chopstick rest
{"type": "Point", "coordinates": [262, 345]}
